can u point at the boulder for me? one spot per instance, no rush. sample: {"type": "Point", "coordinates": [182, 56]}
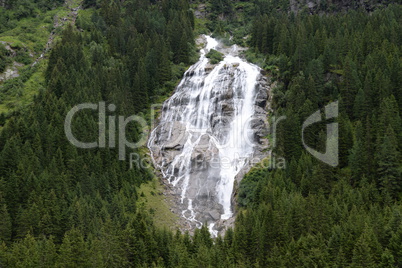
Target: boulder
{"type": "Point", "coordinates": [205, 150]}
{"type": "Point", "coordinates": [215, 215]}
{"type": "Point", "coordinates": [172, 137]}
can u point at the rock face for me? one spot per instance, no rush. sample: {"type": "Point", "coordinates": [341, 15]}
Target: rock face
{"type": "Point", "coordinates": [209, 130]}
{"type": "Point", "coordinates": [10, 72]}
{"type": "Point", "coordinates": [321, 7]}
{"type": "Point", "coordinates": [201, 11]}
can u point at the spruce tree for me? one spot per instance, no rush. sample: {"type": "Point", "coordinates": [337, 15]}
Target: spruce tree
{"type": "Point", "coordinates": [389, 170]}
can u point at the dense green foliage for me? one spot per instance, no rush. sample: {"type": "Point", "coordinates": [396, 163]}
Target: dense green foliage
{"type": "Point", "coordinates": [232, 21]}
{"type": "Point", "coordinates": [4, 58]}
{"type": "Point", "coordinates": [214, 56]}
{"type": "Point", "coordinates": [344, 216]}
{"type": "Point", "coordinates": [228, 20]}
{"type": "Point", "coordinates": [13, 10]}
{"type": "Point", "coordinates": [22, 41]}
{"type": "Point", "coordinates": [67, 207]}
{"type": "Point", "coordinates": [59, 204]}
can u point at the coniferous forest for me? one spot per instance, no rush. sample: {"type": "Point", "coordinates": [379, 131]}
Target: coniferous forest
{"type": "Point", "coordinates": [61, 206]}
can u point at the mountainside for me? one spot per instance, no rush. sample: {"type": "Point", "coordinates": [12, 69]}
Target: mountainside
{"type": "Point", "coordinates": [324, 6]}
{"type": "Point", "coordinates": [78, 183]}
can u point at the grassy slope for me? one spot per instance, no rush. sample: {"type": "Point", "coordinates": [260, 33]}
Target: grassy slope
{"type": "Point", "coordinates": [31, 35]}
{"type": "Point", "coordinates": [16, 99]}
{"type": "Point", "coordinates": [151, 198]}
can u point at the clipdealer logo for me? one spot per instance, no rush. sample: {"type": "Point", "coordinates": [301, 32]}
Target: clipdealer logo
{"type": "Point", "coordinates": [123, 143]}
{"type": "Point", "coordinates": [330, 156]}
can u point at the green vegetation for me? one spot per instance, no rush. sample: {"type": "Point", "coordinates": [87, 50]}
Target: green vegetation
{"type": "Point", "coordinates": [201, 26]}
{"type": "Point", "coordinates": [214, 56]}
{"type": "Point", "coordinates": [17, 93]}
{"type": "Point", "coordinates": [31, 34]}
{"type": "Point", "coordinates": [25, 37]}
{"type": "Point", "coordinates": [229, 21]}
{"type": "Point", "coordinates": [151, 197]}
{"type": "Point", "coordinates": [4, 58]}
{"type": "Point", "coordinates": [12, 12]}
{"type": "Point", "coordinates": [60, 204]}
{"type": "Point", "coordinates": [343, 216]}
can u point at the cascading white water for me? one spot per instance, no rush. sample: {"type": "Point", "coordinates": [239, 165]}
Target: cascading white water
{"type": "Point", "coordinates": [204, 136]}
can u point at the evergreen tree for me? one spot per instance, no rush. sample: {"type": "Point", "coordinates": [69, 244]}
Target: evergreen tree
{"type": "Point", "coordinates": [389, 171]}
{"type": "Point", "coordinates": [350, 86]}
{"type": "Point", "coordinates": [73, 251]}
{"type": "Point", "coordinates": [5, 223]}
{"type": "Point", "coordinates": [387, 259]}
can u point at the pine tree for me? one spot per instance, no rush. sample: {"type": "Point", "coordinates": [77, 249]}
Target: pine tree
{"type": "Point", "coordinates": [360, 110]}
{"type": "Point", "coordinates": [389, 172]}
{"type": "Point", "coordinates": [165, 69]}
{"type": "Point", "coordinates": [362, 253]}
{"type": "Point", "coordinates": [5, 223]}
{"type": "Point", "coordinates": [389, 115]}
{"type": "Point", "coordinates": [350, 85]}
{"type": "Point", "coordinates": [143, 83]}
{"type": "Point", "coordinates": [25, 253]}
{"type": "Point", "coordinates": [345, 139]}
{"type": "Point", "coordinates": [395, 245]}
{"type": "Point", "coordinates": [387, 259]}
{"type": "Point", "coordinates": [73, 251]}
{"type": "Point", "coordinates": [357, 157]}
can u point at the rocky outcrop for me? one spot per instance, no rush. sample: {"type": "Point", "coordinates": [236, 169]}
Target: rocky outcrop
{"type": "Point", "coordinates": [201, 11]}
{"type": "Point", "coordinates": [320, 7]}
{"type": "Point", "coordinates": [10, 72]}
{"type": "Point", "coordinates": [175, 133]}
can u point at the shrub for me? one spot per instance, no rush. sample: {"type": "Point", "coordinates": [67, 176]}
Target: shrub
{"type": "Point", "coordinates": [214, 56]}
{"type": "Point", "coordinates": [249, 187]}
{"type": "Point", "coordinates": [23, 57]}
{"type": "Point", "coordinates": [4, 59]}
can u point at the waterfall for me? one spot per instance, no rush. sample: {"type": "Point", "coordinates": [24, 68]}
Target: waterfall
{"type": "Point", "coordinates": [205, 135]}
